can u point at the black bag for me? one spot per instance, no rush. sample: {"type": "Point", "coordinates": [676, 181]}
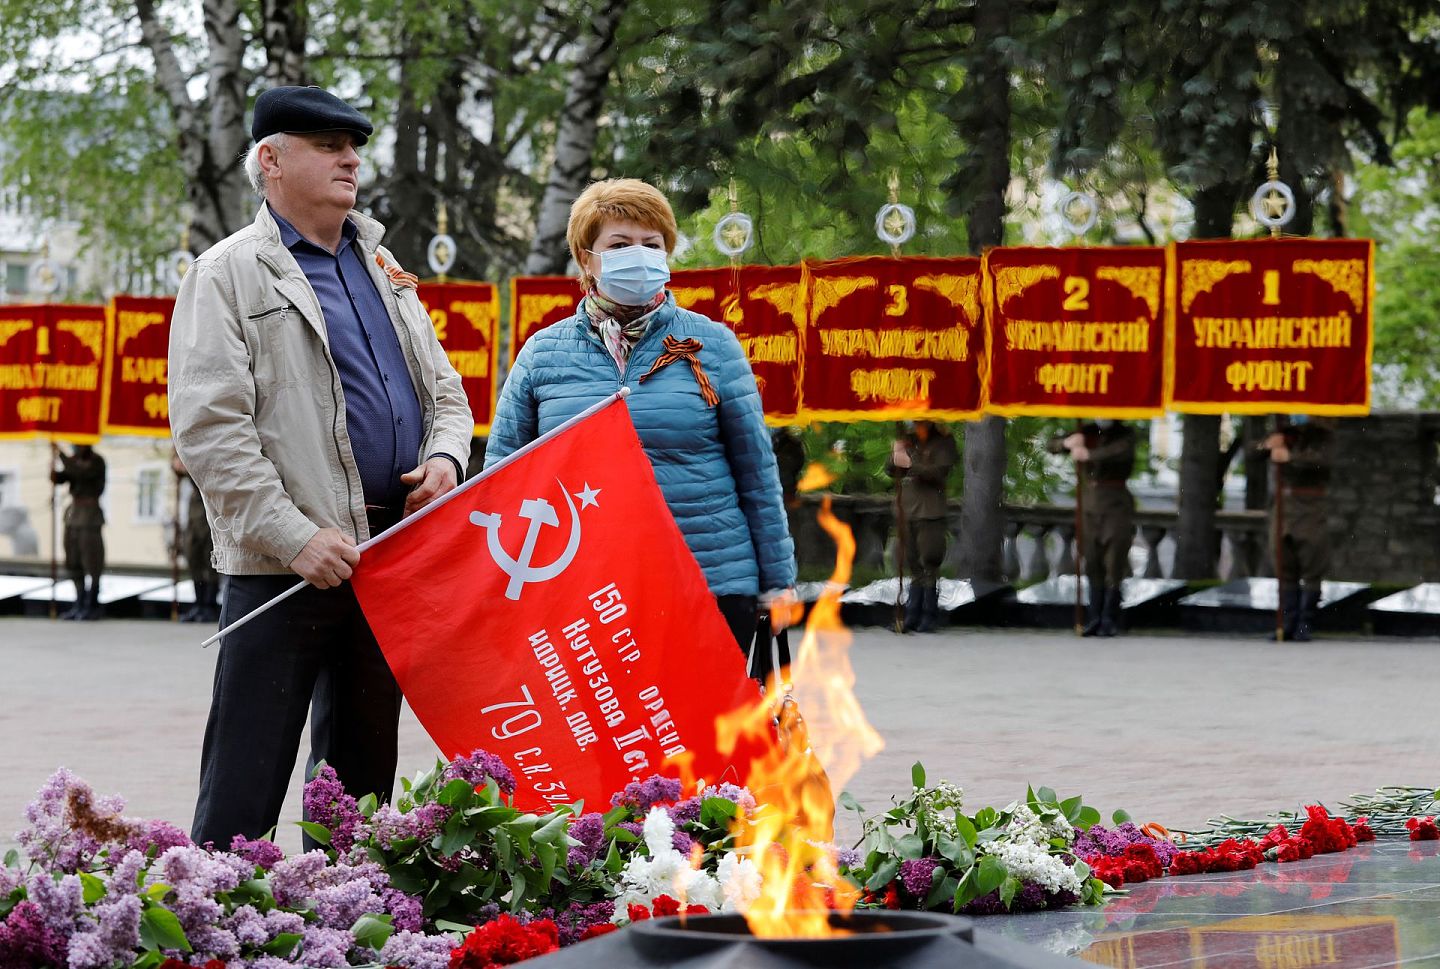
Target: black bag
{"type": "Point", "coordinates": [768, 651]}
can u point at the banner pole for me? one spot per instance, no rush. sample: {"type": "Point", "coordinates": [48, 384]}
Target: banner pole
{"type": "Point", "coordinates": [1079, 541]}
{"type": "Point", "coordinates": [1278, 540]}
{"type": "Point", "coordinates": [54, 527]}
{"type": "Point", "coordinates": [593, 409]}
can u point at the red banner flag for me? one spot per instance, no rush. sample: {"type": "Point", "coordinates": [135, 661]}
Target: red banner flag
{"type": "Point", "coordinates": [893, 338]}
{"type": "Point", "coordinates": [466, 317]}
{"type": "Point", "coordinates": [1271, 326]}
{"type": "Point", "coordinates": [536, 302]}
{"type": "Point", "coordinates": [138, 341]}
{"type": "Point", "coordinates": [550, 612]}
{"type": "Point", "coordinates": [50, 359]}
{"type": "Point", "coordinates": [703, 291]}
{"type": "Point", "coordinates": [1076, 332]}
{"type": "Point", "coordinates": [768, 316]}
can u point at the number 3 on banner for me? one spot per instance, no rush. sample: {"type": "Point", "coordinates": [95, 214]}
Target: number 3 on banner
{"type": "Point", "coordinates": [899, 302]}
{"type": "Point", "coordinates": [1077, 293]}
{"type": "Point", "coordinates": [1272, 287]}
{"type": "Point", "coordinates": [527, 719]}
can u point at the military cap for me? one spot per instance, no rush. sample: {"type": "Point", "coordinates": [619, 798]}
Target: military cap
{"type": "Point", "coordinates": [300, 110]}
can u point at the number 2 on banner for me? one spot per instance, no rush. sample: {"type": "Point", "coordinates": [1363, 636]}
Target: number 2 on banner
{"type": "Point", "coordinates": [527, 719]}
{"type": "Point", "coordinates": [438, 319]}
{"type": "Point", "coordinates": [1077, 293]}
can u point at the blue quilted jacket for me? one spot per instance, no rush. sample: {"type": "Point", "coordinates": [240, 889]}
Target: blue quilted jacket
{"type": "Point", "coordinates": [714, 465]}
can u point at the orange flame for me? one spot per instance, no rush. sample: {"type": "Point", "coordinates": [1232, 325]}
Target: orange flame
{"type": "Point", "coordinates": [787, 836]}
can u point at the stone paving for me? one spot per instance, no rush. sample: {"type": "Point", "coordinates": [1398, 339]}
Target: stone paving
{"type": "Point", "coordinates": [1171, 728]}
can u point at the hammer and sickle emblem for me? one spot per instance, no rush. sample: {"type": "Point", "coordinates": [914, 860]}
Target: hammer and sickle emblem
{"type": "Point", "coordinates": [521, 570]}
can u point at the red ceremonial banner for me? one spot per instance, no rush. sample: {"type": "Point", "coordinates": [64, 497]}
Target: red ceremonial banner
{"type": "Point", "coordinates": [1271, 326]}
{"type": "Point", "coordinates": [703, 291]}
{"type": "Point", "coordinates": [137, 340]}
{"type": "Point", "coordinates": [466, 317]}
{"type": "Point", "coordinates": [550, 612]}
{"type": "Point", "coordinates": [768, 316]}
{"type": "Point", "coordinates": [893, 338]}
{"type": "Point", "coordinates": [536, 302]}
{"type": "Point", "coordinates": [1076, 332]}
{"type": "Point", "coordinates": [50, 360]}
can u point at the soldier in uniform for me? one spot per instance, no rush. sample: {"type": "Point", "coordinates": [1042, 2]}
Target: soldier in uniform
{"type": "Point", "coordinates": [84, 471]}
{"type": "Point", "coordinates": [1106, 449]}
{"type": "Point", "coordinates": [921, 462]}
{"type": "Point", "coordinates": [197, 546]}
{"type": "Point", "coordinates": [1302, 451]}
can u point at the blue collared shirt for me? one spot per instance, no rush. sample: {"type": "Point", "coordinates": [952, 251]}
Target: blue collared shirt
{"type": "Point", "coordinates": [382, 411]}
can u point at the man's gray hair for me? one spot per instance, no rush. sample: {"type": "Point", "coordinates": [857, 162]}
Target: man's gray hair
{"type": "Point", "coordinates": [278, 141]}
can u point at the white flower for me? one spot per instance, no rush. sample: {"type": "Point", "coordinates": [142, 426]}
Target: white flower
{"type": "Point", "coordinates": [665, 872]}
{"type": "Point", "coordinates": [1026, 827]}
{"type": "Point", "coordinates": [740, 880]}
{"type": "Point", "coordinates": [1031, 863]}
{"type": "Point", "coordinates": [659, 832]}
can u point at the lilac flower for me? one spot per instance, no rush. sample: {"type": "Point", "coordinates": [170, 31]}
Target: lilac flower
{"type": "Point", "coordinates": [10, 879]}
{"type": "Point", "coordinates": [589, 830]}
{"type": "Point", "coordinates": [916, 875]}
{"type": "Point", "coordinates": [575, 919]}
{"type": "Point", "coordinates": [482, 766]}
{"type": "Point", "coordinates": [259, 852]}
{"type": "Point", "coordinates": [326, 948]}
{"type": "Point", "coordinates": [388, 826]}
{"type": "Point", "coordinates": [682, 843]}
{"type": "Point", "coordinates": [340, 905]}
{"type": "Point", "coordinates": [637, 828]}
{"type": "Point", "coordinates": [687, 811]}
{"type": "Point", "coordinates": [26, 939]}
{"type": "Point", "coordinates": [406, 910]}
{"type": "Point", "coordinates": [283, 923]}
{"type": "Point", "coordinates": [1099, 840]}
{"type": "Point", "coordinates": [49, 839]}
{"type": "Point", "coordinates": [643, 795]}
{"type": "Point", "coordinates": [847, 857]}
{"type": "Point", "coordinates": [1030, 898]}
{"type": "Point", "coordinates": [248, 926]}
{"type": "Point", "coordinates": [124, 878]}
{"type": "Point", "coordinates": [734, 792]}
{"type": "Point", "coordinates": [59, 901]}
{"type": "Point", "coordinates": [326, 803]}
{"type": "Point", "coordinates": [414, 950]}
{"type": "Point", "coordinates": [112, 938]}
{"type": "Point", "coordinates": [984, 905]}
{"type": "Point", "coordinates": [291, 878]}
{"type": "Point", "coordinates": [159, 836]}
{"type": "Point", "coordinates": [213, 942]}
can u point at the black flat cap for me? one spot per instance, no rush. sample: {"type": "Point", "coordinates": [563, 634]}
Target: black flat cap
{"type": "Point", "coordinates": [301, 110]}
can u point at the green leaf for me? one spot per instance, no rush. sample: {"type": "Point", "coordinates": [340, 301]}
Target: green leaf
{"type": "Point", "coordinates": [1121, 817]}
{"type": "Point", "coordinates": [92, 888]}
{"type": "Point", "coordinates": [160, 929]}
{"type": "Point", "coordinates": [12, 858]}
{"type": "Point", "coordinates": [259, 888]}
{"type": "Point", "coordinates": [917, 774]}
{"type": "Point", "coordinates": [457, 794]}
{"type": "Point", "coordinates": [317, 831]}
{"type": "Point", "coordinates": [456, 835]}
{"type": "Point", "coordinates": [912, 846]}
{"type": "Point", "coordinates": [847, 802]}
{"type": "Point", "coordinates": [966, 891]}
{"type": "Point", "coordinates": [718, 812]}
{"type": "Point", "coordinates": [371, 931]}
{"type": "Point", "coordinates": [989, 875]}
{"type": "Point", "coordinates": [1071, 808]}
{"type": "Point", "coordinates": [157, 891]}
{"type": "Point", "coordinates": [1045, 795]}
{"type": "Point", "coordinates": [1009, 889]}
{"type": "Point", "coordinates": [944, 887]}
{"type": "Point", "coordinates": [883, 875]}
{"type": "Point", "coordinates": [1087, 818]}
{"type": "Point", "coordinates": [283, 944]}
{"type": "Point", "coordinates": [965, 829]}
{"type": "Point", "coordinates": [445, 925]}
{"type": "Point", "coordinates": [548, 854]}
{"type": "Point", "coordinates": [150, 960]}
{"type": "Point", "coordinates": [957, 852]}
{"type": "Point", "coordinates": [613, 861]}
{"type": "Point", "coordinates": [367, 805]}
{"type": "Point", "coordinates": [985, 817]}
{"type": "Point", "coordinates": [552, 829]}
{"type": "Point", "coordinates": [517, 891]}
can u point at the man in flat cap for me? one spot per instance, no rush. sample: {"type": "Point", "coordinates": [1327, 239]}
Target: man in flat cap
{"type": "Point", "coordinates": [314, 408]}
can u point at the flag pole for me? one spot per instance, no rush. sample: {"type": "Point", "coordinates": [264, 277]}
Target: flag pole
{"type": "Point", "coordinates": [515, 455]}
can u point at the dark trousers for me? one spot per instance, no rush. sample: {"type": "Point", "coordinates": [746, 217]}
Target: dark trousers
{"type": "Point", "coordinates": [740, 614]}
{"type": "Point", "coordinates": [314, 651]}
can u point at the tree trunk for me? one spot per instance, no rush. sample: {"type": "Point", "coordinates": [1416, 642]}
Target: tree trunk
{"type": "Point", "coordinates": [210, 141]}
{"type": "Point", "coordinates": [575, 140]}
{"type": "Point", "coordinates": [1200, 476]}
{"type": "Point", "coordinates": [986, 125]}
{"type": "Point", "coordinates": [284, 30]}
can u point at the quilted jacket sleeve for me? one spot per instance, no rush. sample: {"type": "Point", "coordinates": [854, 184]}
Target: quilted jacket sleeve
{"type": "Point", "coordinates": [752, 462]}
{"type": "Point", "coordinates": [517, 420]}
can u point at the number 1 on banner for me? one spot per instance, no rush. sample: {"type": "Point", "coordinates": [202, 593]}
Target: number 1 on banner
{"type": "Point", "coordinates": [1272, 287]}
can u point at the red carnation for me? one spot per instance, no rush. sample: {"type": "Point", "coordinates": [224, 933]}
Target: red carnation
{"type": "Point", "coordinates": [504, 941]}
{"type": "Point", "coordinates": [696, 910]}
{"type": "Point", "coordinates": [595, 931]}
{"type": "Point", "coordinates": [892, 896]}
{"type": "Point", "coordinates": [1423, 829]}
{"type": "Point", "coordinates": [637, 913]}
{"type": "Point", "coordinates": [1362, 830]}
{"type": "Point", "coordinates": [664, 905]}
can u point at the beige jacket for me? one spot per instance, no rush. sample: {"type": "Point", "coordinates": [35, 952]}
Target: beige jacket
{"type": "Point", "coordinates": [256, 407]}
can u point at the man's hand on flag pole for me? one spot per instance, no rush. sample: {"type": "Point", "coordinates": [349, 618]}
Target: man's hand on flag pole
{"type": "Point", "coordinates": [431, 480]}
{"type": "Point", "coordinates": [327, 560]}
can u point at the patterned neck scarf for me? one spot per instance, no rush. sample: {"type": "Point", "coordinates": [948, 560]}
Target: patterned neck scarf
{"type": "Point", "coordinates": [618, 325]}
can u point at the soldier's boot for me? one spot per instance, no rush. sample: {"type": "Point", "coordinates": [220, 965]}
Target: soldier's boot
{"type": "Point", "coordinates": [1289, 610]}
{"type": "Point", "coordinates": [929, 609]}
{"type": "Point", "coordinates": [193, 614]}
{"type": "Point", "coordinates": [1110, 613]}
{"type": "Point", "coordinates": [914, 607]}
{"type": "Point", "coordinates": [1306, 614]}
{"type": "Point", "coordinates": [93, 609]}
{"type": "Point", "coordinates": [78, 606]}
{"type": "Point", "coordinates": [1094, 615]}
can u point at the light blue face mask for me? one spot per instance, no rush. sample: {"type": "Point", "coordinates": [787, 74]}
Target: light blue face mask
{"type": "Point", "coordinates": [1299, 419]}
{"type": "Point", "coordinates": [633, 275]}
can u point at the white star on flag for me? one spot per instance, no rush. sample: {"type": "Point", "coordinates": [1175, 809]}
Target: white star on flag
{"type": "Point", "coordinates": [587, 497]}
